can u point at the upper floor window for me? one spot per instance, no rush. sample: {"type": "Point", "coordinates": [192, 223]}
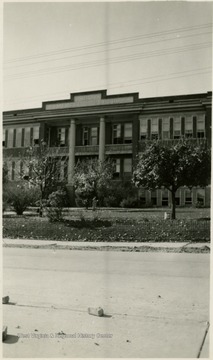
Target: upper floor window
{"type": "Point", "coordinates": [10, 138]}
{"type": "Point", "coordinates": [177, 128]}
{"type": "Point", "coordinates": [90, 136]}
{"type": "Point", "coordinates": [200, 127]}
{"type": "Point", "coordinates": [154, 129]}
{"type": "Point", "coordinates": [18, 137]}
{"type": "Point", "coordinates": [36, 135]}
{"type": "Point", "coordinates": [128, 133]}
{"type": "Point", "coordinates": [85, 136]}
{"type": "Point", "coordinates": [165, 128]}
{"type": "Point", "coordinates": [143, 129]}
{"type": "Point", "coordinates": [94, 136]}
{"type": "Point", "coordinates": [4, 138]}
{"type": "Point", "coordinates": [117, 134]}
{"type": "Point", "coordinates": [188, 128]}
{"type": "Point", "coordinates": [27, 141]}
{"type": "Point", "coordinates": [61, 136]}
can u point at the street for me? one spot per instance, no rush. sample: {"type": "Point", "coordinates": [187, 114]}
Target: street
{"type": "Point", "coordinates": [155, 304]}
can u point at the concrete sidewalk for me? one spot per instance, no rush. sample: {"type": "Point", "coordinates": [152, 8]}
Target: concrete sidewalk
{"type": "Point", "coordinates": [99, 245]}
{"type": "Point", "coordinates": [151, 302]}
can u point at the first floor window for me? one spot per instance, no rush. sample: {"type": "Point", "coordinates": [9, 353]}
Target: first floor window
{"type": "Point", "coordinates": [142, 196]}
{"type": "Point", "coordinates": [165, 197]}
{"type": "Point", "coordinates": [201, 196]}
{"type": "Point", "coordinates": [154, 197]}
{"type": "Point", "coordinates": [117, 167]}
{"type": "Point", "coordinates": [188, 197]}
{"type": "Point", "coordinates": [127, 166]}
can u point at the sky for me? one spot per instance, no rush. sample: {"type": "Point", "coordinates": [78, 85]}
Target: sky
{"type": "Point", "coordinates": [154, 48]}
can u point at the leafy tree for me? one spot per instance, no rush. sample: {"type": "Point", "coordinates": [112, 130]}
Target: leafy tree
{"type": "Point", "coordinates": [42, 171]}
{"type": "Point", "coordinates": [4, 173]}
{"type": "Point", "coordinates": [91, 179]}
{"type": "Point", "coordinates": [181, 164]}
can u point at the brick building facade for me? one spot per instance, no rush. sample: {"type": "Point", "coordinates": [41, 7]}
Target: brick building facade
{"type": "Point", "coordinates": [93, 124]}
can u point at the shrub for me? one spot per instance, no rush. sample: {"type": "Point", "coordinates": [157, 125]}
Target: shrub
{"type": "Point", "coordinates": [129, 202]}
{"type": "Point", "coordinates": [117, 192]}
{"type": "Point", "coordinates": [199, 205]}
{"type": "Point", "coordinates": [54, 205]}
{"type": "Point", "coordinates": [20, 196]}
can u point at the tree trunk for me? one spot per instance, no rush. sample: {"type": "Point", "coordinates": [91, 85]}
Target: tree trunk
{"type": "Point", "coordinates": [173, 205]}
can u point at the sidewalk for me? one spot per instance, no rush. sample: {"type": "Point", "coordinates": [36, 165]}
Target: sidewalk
{"type": "Point", "coordinates": [78, 245]}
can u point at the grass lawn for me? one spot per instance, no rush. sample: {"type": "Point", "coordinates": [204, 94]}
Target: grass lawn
{"type": "Point", "coordinates": [113, 225]}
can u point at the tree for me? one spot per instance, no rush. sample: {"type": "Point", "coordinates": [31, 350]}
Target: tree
{"type": "Point", "coordinates": [42, 171]}
{"type": "Point", "coordinates": [4, 173]}
{"type": "Point", "coordinates": [181, 164]}
{"type": "Point", "coordinates": [90, 180]}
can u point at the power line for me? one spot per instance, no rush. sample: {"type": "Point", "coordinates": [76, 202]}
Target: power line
{"type": "Point", "coordinates": [168, 51]}
{"type": "Point", "coordinates": [101, 51]}
{"type": "Point", "coordinates": [145, 80]}
{"type": "Point", "coordinates": [149, 35]}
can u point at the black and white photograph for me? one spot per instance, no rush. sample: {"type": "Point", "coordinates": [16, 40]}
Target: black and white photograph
{"type": "Point", "coordinates": [106, 179]}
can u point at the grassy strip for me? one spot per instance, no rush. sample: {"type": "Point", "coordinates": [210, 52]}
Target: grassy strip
{"type": "Point", "coordinates": [106, 230]}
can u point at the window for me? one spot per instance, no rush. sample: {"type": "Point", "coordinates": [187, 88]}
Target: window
{"type": "Point", "coordinates": [200, 128]}
{"type": "Point", "coordinates": [188, 128]}
{"type": "Point", "coordinates": [154, 197]}
{"type": "Point", "coordinates": [27, 137]}
{"type": "Point", "coordinates": [85, 136]}
{"type": "Point", "coordinates": [18, 137]}
{"type": "Point", "coordinates": [94, 136]}
{"type": "Point", "coordinates": [143, 129]}
{"type": "Point", "coordinates": [127, 166]}
{"type": "Point", "coordinates": [3, 137]}
{"type": "Point", "coordinates": [142, 196]}
{"type": "Point", "coordinates": [128, 133]}
{"type": "Point", "coordinates": [154, 129]}
{"type": "Point", "coordinates": [117, 167]}
{"type": "Point", "coordinates": [188, 197]}
{"type": "Point", "coordinates": [61, 136]}
{"type": "Point", "coordinates": [36, 135]}
{"type": "Point", "coordinates": [117, 134]}
{"type": "Point", "coordinates": [201, 196]}
{"type": "Point", "coordinates": [177, 128]}
{"type": "Point", "coordinates": [165, 197]}
{"type": "Point", "coordinates": [13, 170]}
{"type": "Point", "coordinates": [10, 138]}
{"type": "Point", "coordinates": [165, 128]}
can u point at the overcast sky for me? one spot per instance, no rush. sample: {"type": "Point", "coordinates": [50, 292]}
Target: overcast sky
{"type": "Point", "coordinates": [155, 48]}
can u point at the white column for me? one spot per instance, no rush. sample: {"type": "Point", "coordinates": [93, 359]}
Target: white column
{"type": "Point", "coordinates": [71, 162]}
{"type": "Point", "coordinates": [102, 139]}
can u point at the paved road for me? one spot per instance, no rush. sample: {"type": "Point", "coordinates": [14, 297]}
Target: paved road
{"type": "Point", "coordinates": [156, 304]}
